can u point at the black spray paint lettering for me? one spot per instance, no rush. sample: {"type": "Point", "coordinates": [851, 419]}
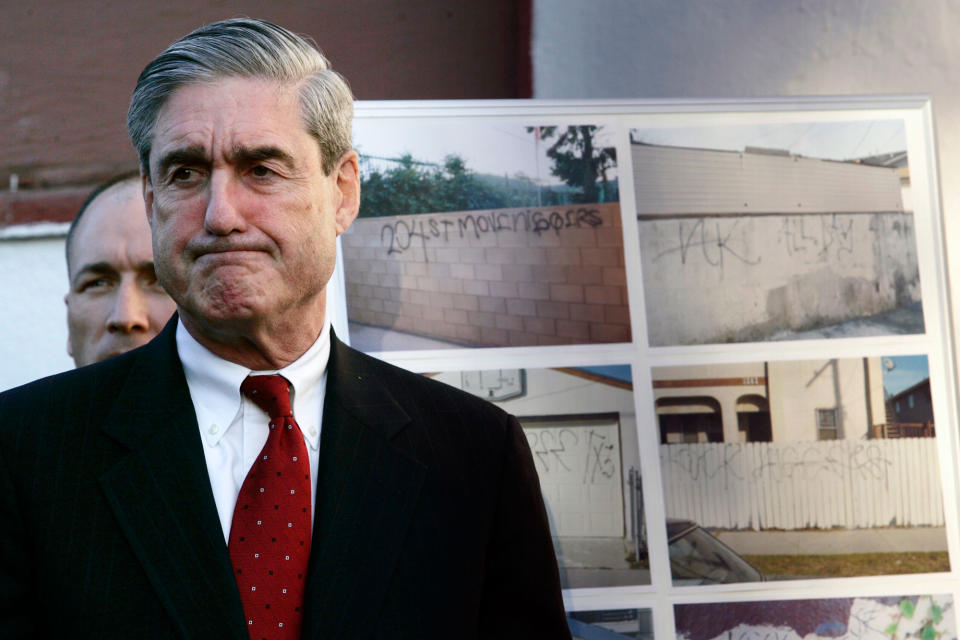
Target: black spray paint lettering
{"type": "Point", "coordinates": [831, 237]}
{"type": "Point", "coordinates": [710, 462]}
{"type": "Point", "coordinates": [781, 463]}
{"type": "Point", "coordinates": [599, 459]}
{"type": "Point", "coordinates": [549, 447]}
{"type": "Point", "coordinates": [554, 452]}
{"type": "Point", "coordinates": [713, 237]}
{"type": "Point", "coordinates": [399, 236]}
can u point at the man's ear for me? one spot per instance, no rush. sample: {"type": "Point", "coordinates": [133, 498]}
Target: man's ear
{"type": "Point", "coordinates": [348, 184]}
{"type": "Point", "coordinates": [147, 187]}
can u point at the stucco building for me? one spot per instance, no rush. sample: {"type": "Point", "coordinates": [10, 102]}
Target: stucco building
{"type": "Point", "coordinates": [789, 401]}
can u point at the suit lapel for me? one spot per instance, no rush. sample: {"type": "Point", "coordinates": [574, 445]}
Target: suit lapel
{"type": "Point", "coordinates": [367, 489]}
{"type": "Point", "coordinates": [160, 494]}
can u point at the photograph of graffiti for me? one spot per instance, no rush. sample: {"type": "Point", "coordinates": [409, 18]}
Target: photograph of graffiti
{"type": "Point", "coordinates": [611, 624]}
{"type": "Point", "coordinates": [924, 617]}
{"type": "Point", "coordinates": [581, 426]}
{"type": "Point", "coordinates": [485, 234]}
{"type": "Point", "coordinates": [776, 232]}
{"type": "Point", "coordinates": [818, 468]}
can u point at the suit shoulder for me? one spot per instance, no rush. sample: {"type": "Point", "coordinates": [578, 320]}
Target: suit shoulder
{"type": "Point", "coordinates": [424, 392]}
{"type": "Point", "coordinates": [63, 393]}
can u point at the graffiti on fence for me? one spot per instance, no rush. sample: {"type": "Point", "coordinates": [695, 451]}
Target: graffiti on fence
{"type": "Point", "coordinates": [729, 464]}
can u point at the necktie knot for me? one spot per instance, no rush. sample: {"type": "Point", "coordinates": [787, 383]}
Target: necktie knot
{"type": "Point", "coordinates": [270, 393]}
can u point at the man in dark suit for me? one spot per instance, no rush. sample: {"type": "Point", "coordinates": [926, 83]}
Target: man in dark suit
{"type": "Point", "coordinates": [183, 489]}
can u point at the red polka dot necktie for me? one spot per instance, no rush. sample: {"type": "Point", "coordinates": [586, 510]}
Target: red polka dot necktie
{"type": "Point", "coordinates": [270, 535]}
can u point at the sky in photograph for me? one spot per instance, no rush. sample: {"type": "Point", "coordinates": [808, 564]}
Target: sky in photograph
{"type": "Point", "coordinates": [906, 372]}
{"type": "Point", "coordinates": [619, 372]}
{"type": "Point", "coordinates": [488, 147]}
{"type": "Point", "coordinates": [826, 140]}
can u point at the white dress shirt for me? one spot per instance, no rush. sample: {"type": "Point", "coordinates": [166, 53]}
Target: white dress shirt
{"type": "Point", "coordinates": [234, 429]}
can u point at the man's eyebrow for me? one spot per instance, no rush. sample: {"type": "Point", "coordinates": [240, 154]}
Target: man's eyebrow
{"type": "Point", "coordinates": [253, 155]}
{"type": "Point", "coordinates": [101, 267]}
{"type": "Point", "coordinates": [192, 155]}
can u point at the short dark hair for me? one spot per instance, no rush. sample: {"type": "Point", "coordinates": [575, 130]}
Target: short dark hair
{"type": "Point", "coordinates": [103, 186]}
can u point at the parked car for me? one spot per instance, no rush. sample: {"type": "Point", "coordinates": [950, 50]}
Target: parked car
{"type": "Point", "coordinates": [698, 557]}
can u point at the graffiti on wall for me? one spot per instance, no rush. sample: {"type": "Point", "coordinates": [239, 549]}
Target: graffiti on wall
{"type": "Point", "coordinates": [400, 235]}
{"type": "Point", "coordinates": [811, 238]}
{"type": "Point", "coordinates": [587, 454]}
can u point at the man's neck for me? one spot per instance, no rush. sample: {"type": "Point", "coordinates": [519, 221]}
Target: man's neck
{"type": "Point", "coordinates": [259, 345]}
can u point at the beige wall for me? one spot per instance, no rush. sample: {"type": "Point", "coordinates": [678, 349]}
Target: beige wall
{"type": "Point", "coordinates": [794, 389]}
{"type": "Point", "coordinates": [508, 277]}
{"type": "Point", "coordinates": [799, 388]}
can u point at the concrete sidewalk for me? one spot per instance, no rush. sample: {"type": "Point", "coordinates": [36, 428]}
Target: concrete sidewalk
{"type": "Point", "coordinates": [881, 540]}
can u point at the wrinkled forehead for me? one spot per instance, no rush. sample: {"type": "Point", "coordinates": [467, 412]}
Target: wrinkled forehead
{"type": "Point", "coordinates": [228, 115]}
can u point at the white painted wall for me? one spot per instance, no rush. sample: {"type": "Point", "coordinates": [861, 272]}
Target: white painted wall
{"type": "Point", "coordinates": [799, 387]}
{"type": "Point", "coordinates": [757, 48]}
{"type": "Point", "coordinates": [751, 278]}
{"type": "Point", "coordinates": [33, 318]}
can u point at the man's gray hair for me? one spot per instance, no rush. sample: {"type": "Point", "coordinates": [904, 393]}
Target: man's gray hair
{"type": "Point", "coordinates": [247, 48]}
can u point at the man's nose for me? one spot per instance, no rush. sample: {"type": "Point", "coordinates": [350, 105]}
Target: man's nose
{"type": "Point", "coordinates": [129, 312]}
{"type": "Point", "coordinates": [222, 216]}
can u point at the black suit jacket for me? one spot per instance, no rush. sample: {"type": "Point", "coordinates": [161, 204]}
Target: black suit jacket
{"type": "Point", "coordinates": [429, 521]}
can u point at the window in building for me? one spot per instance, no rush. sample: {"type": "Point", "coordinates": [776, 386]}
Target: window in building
{"type": "Point", "coordinates": [910, 400]}
{"type": "Point", "coordinates": [827, 428]}
{"type": "Point", "coordinates": [753, 419]}
{"type": "Point", "coordinates": [689, 419]}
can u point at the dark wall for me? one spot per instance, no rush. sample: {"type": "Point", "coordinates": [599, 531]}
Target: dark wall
{"type": "Point", "coordinates": [67, 70]}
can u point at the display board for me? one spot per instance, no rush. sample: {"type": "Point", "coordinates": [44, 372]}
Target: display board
{"type": "Point", "coordinates": [723, 326]}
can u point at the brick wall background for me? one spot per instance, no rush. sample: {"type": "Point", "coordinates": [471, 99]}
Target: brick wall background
{"type": "Point", "coordinates": [66, 74]}
{"type": "Point", "coordinates": [506, 277]}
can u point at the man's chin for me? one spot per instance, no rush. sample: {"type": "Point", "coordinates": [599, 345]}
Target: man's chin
{"type": "Point", "coordinates": [226, 308]}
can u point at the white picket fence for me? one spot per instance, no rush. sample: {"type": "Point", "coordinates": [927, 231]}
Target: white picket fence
{"type": "Point", "coordinates": [801, 485]}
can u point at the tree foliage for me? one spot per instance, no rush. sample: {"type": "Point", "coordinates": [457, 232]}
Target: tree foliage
{"type": "Point", "coordinates": [578, 161]}
{"type": "Point", "coordinates": [411, 186]}
{"type": "Point", "coordinates": [416, 187]}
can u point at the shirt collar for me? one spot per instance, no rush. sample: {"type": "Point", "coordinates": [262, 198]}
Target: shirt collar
{"type": "Point", "coordinates": [214, 385]}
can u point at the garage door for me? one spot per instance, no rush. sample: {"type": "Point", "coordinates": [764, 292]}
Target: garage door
{"type": "Point", "coordinates": [579, 466]}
